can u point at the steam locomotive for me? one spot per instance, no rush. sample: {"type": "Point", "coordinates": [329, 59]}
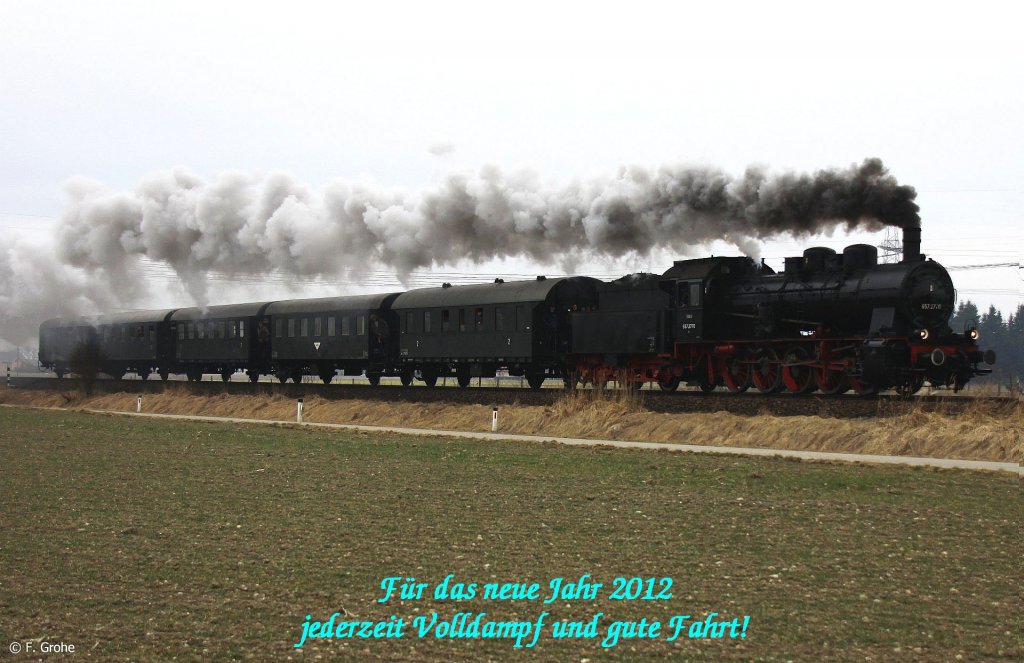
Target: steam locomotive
{"type": "Point", "coordinates": [828, 322]}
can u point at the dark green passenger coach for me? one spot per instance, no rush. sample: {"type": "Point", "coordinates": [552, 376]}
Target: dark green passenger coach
{"type": "Point", "coordinates": [321, 336]}
{"type": "Point", "coordinates": [523, 327]}
{"type": "Point", "coordinates": [222, 340]}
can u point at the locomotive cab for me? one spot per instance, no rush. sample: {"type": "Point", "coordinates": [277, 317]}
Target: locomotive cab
{"type": "Point", "coordinates": [688, 313]}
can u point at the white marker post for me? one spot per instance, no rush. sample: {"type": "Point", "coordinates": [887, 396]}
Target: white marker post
{"type": "Point", "coordinates": [494, 420]}
{"type": "Point", "coordinates": [138, 404]}
{"type": "Point", "coordinates": [298, 412]}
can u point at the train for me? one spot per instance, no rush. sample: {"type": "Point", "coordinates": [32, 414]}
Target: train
{"type": "Point", "coordinates": [828, 322]}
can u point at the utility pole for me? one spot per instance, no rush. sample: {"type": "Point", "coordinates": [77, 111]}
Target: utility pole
{"type": "Point", "coordinates": [892, 246]}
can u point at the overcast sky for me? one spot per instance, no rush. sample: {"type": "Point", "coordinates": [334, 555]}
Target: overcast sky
{"type": "Point", "coordinates": [403, 93]}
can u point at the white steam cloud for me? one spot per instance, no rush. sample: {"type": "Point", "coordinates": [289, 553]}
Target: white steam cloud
{"type": "Point", "coordinates": [244, 224]}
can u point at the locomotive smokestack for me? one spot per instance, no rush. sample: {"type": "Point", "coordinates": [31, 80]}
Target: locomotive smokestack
{"type": "Point", "coordinates": [912, 244]}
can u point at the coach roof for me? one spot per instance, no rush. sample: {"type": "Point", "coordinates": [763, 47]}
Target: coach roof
{"type": "Point", "coordinates": [328, 304]}
{"type": "Point", "coordinates": [132, 317]}
{"type": "Point", "coordinates": [490, 293]}
{"type": "Point", "coordinates": [227, 311]}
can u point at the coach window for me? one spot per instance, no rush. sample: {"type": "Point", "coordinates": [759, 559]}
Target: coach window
{"type": "Point", "coordinates": [462, 319]}
{"type": "Point", "coordinates": [695, 294]}
{"type": "Point", "coordinates": [361, 326]}
{"type": "Point", "coordinates": [220, 330]}
{"type": "Point", "coordinates": [499, 319]}
{"type": "Point", "coordinates": [346, 326]}
{"type": "Point", "coordinates": [305, 327]}
{"type": "Point", "coordinates": [446, 320]}
{"type": "Point", "coordinates": [426, 322]}
{"type": "Point", "coordinates": [200, 330]}
{"type": "Point", "coordinates": [241, 329]}
{"type": "Point", "coordinates": [191, 328]}
{"type": "Point", "coordinates": [478, 320]}
{"type": "Point", "coordinates": [291, 327]}
{"type": "Point", "coordinates": [332, 326]}
{"type": "Point", "coordinates": [181, 332]}
{"type": "Point", "coordinates": [232, 329]}
{"type": "Point", "coordinates": [318, 326]}
{"type": "Point", "coordinates": [408, 321]}
{"type": "Point", "coordinates": [278, 328]}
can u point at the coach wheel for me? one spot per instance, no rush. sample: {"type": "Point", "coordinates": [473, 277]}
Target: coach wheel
{"type": "Point", "coordinates": [117, 374]}
{"type": "Point", "coordinates": [571, 379]}
{"type": "Point", "coordinates": [143, 375]}
{"type": "Point", "coordinates": [60, 372]}
{"type": "Point", "coordinates": [462, 375]}
{"type": "Point", "coordinates": [164, 374]}
{"type": "Point", "coordinates": [373, 378]}
{"type": "Point", "coordinates": [766, 374]}
{"type": "Point", "coordinates": [225, 375]}
{"type": "Point", "coordinates": [535, 380]}
{"type": "Point", "coordinates": [406, 378]}
{"type": "Point", "coordinates": [282, 377]}
{"type": "Point", "coordinates": [297, 377]}
{"type": "Point", "coordinates": [254, 376]}
{"type": "Point", "coordinates": [861, 387]}
{"type": "Point", "coordinates": [798, 377]}
{"type": "Point", "coordinates": [326, 376]}
{"type": "Point", "coordinates": [736, 375]}
{"type": "Point", "coordinates": [195, 376]}
{"type": "Point", "coordinates": [430, 377]}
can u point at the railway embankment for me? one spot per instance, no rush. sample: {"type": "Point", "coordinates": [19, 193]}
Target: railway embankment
{"type": "Point", "coordinates": [979, 431]}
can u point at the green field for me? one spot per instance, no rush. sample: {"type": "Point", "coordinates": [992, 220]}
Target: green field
{"type": "Point", "coordinates": [145, 539]}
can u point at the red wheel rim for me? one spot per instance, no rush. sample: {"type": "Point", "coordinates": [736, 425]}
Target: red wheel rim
{"type": "Point", "coordinates": [798, 379]}
{"type": "Point", "coordinates": [767, 374]}
{"type": "Point", "coordinates": [736, 376]}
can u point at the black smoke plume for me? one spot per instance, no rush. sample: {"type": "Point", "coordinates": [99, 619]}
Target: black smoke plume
{"type": "Point", "coordinates": [243, 224]}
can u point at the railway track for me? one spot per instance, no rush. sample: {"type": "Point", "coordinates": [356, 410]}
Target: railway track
{"type": "Point", "coordinates": [751, 404]}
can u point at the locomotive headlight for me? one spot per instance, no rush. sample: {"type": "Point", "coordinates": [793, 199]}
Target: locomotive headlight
{"type": "Point", "coordinates": [972, 333]}
{"type": "Point", "coordinates": [922, 334]}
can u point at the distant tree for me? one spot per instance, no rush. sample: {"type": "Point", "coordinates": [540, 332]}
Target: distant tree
{"type": "Point", "coordinates": [1004, 337]}
{"type": "Point", "coordinates": [966, 315]}
{"type": "Point", "coordinates": [1013, 345]}
{"type": "Point", "coordinates": [991, 327]}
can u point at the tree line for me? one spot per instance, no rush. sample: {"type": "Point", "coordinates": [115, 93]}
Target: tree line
{"type": "Point", "coordinates": [1004, 336]}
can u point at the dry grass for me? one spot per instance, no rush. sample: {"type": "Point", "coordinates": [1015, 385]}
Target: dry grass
{"type": "Point", "coordinates": [977, 434]}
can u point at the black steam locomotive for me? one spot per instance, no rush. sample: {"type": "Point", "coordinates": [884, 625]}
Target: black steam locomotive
{"type": "Point", "coordinates": [829, 322]}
